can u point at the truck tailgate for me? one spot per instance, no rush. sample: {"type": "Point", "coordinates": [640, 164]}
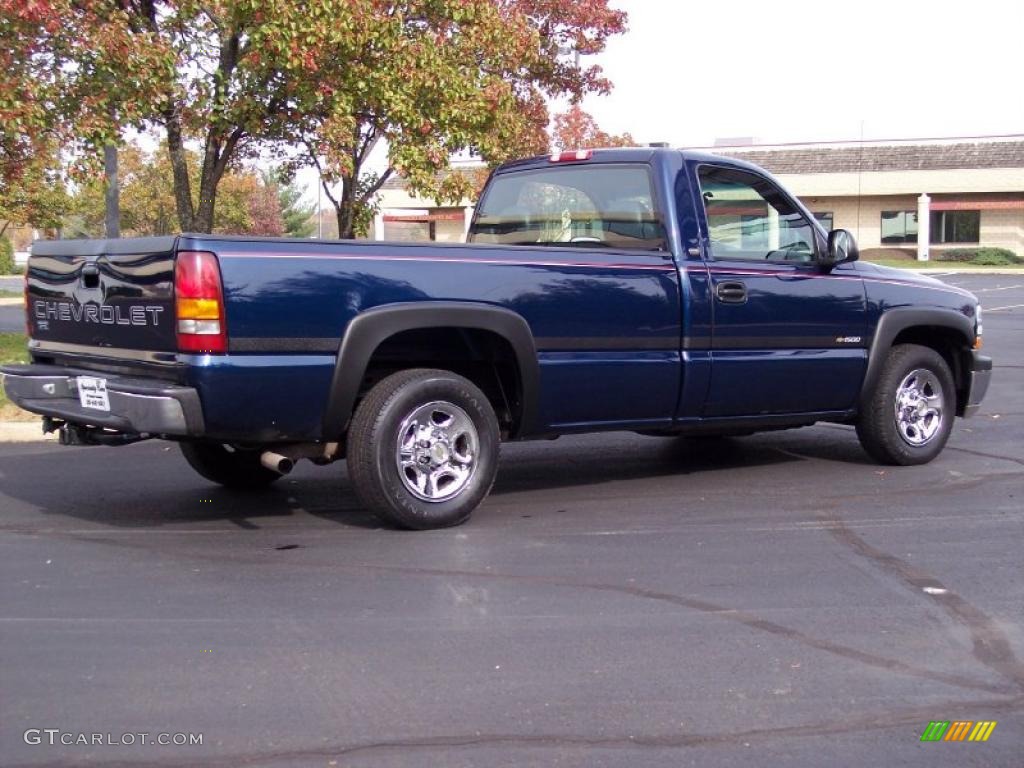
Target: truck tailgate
{"type": "Point", "coordinates": [115, 294]}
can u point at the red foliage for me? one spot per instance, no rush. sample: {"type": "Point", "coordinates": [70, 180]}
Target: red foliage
{"type": "Point", "coordinates": [265, 212]}
{"type": "Point", "coordinates": [576, 129]}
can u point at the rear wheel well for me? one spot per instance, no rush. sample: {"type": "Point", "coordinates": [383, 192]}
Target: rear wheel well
{"type": "Point", "coordinates": [949, 343]}
{"type": "Point", "coordinates": [484, 357]}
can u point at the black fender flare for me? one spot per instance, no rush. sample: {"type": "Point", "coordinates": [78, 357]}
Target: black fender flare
{"type": "Point", "coordinates": [894, 321]}
{"type": "Point", "coordinates": [367, 330]}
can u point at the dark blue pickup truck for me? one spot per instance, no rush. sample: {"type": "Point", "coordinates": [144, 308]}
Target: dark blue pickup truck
{"type": "Point", "coordinates": [653, 290]}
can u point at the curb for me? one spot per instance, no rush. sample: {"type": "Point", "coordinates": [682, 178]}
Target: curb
{"type": "Point", "coordinates": [12, 302]}
{"type": "Point", "coordinates": [968, 271]}
{"type": "Point", "coordinates": [24, 432]}
{"type": "Point", "coordinates": [956, 270]}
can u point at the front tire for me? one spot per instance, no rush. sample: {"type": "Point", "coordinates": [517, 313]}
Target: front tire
{"type": "Point", "coordinates": [909, 416]}
{"type": "Point", "coordinates": [423, 449]}
{"type": "Point", "coordinates": [228, 466]}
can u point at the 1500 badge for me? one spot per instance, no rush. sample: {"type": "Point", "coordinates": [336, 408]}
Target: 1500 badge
{"type": "Point", "coordinates": [102, 314]}
{"type": "Point", "coordinates": [847, 339]}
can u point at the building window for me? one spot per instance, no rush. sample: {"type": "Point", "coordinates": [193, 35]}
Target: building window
{"type": "Point", "coordinates": [409, 231]}
{"type": "Point", "coordinates": [825, 218]}
{"type": "Point", "coordinates": [955, 226]}
{"type": "Point", "coordinates": [899, 227]}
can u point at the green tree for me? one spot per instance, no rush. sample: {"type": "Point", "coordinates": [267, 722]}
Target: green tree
{"type": "Point", "coordinates": [89, 69]}
{"type": "Point", "coordinates": [297, 216]}
{"type": "Point", "coordinates": [334, 77]}
{"type": "Point", "coordinates": [429, 78]}
{"type": "Point", "coordinates": [252, 206]}
{"type": "Point", "coordinates": [247, 205]}
{"type": "Point", "coordinates": [6, 256]}
{"type": "Point", "coordinates": [31, 184]}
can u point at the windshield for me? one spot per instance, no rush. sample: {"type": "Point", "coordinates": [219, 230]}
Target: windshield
{"type": "Point", "coordinates": [581, 205]}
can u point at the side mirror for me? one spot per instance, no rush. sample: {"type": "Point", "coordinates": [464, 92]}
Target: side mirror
{"type": "Point", "coordinates": [841, 248]}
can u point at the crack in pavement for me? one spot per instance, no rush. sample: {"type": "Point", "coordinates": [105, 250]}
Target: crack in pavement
{"type": "Point", "coordinates": [745, 618]}
{"type": "Point", "coordinates": [990, 646]}
{"type": "Point", "coordinates": [985, 455]}
{"type": "Point", "coordinates": [845, 428]}
{"type": "Point", "coordinates": [719, 611]}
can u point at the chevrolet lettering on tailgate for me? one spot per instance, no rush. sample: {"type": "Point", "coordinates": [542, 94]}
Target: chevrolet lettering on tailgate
{"type": "Point", "coordinates": [67, 311]}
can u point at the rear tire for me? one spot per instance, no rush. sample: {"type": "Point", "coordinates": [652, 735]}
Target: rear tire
{"type": "Point", "coordinates": [908, 417]}
{"type": "Point", "coordinates": [423, 449]}
{"type": "Point", "coordinates": [230, 467]}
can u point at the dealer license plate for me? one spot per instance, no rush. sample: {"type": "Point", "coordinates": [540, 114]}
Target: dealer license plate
{"type": "Point", "coordinates": [92, 393]}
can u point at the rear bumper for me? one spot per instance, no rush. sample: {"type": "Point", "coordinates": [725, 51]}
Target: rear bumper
{"type": "Point", "coordinates": [142, 406]}
{"type": "Point", "coordinates": [979, 375]}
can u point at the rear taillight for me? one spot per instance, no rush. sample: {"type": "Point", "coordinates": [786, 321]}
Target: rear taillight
{"type": "Point", "coordinates": [199, 303]}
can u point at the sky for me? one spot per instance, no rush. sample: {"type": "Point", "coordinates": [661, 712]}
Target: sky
{"type": "Point", "coordinates": [691, 72]}
{"type": "Point", "coordinates": [781, 71]}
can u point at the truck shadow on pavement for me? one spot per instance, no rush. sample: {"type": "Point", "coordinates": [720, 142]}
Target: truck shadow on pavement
{"type": "Point", "coordinates": [153, 487]}
{"type": "Point", "coordinates": [624, 457]}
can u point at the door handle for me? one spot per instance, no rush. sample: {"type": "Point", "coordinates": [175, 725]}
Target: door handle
{"type": "Point", "coordinates": [732, 292]}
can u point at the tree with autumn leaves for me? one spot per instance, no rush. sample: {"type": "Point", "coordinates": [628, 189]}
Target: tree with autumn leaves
{"type": "Point", "coordinates": [31, 185]}
{"type": "Point", "coordinates": [248, 202]}
{"type": "Point", "coordinates": [324, 83]}
{"type": "Point", "coordinates": [432, 79]}
{"type": "Point", "coordinates": [576, 129]}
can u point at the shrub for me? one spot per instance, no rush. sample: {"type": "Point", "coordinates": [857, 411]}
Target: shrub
{"type": "Point", "coordinates": [996, 257]}
{"type": "Point", "coordinates": [988, 257]}
{"type": "Point", "coordinates": [6, 257]}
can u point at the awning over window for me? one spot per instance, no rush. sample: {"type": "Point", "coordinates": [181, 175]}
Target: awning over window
{"type": "Point", "coordinates": [977, 205]}
{"type": "Point", "coordinates": [458, 215]}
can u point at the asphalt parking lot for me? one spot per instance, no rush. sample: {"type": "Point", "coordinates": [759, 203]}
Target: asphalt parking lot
{"type": "Point", "coordinates": [618, 601]}
{"type": "Point", "coordinates": [12, 318]}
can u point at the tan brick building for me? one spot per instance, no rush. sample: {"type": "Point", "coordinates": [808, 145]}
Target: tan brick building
{"type": "Point", "coordinates": [917, 196]}
{"type": "Point", "coordinates": [920, 196]}
{"type": "Point", "coordinates": [402, 216]}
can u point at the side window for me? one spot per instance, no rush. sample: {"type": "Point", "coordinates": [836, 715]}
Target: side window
{"type": "Point", "coordinates": [749, 219]}
{"type": "Point", "coordinates": [826, 219]}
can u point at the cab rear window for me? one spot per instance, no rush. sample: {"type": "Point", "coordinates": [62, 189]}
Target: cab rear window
{"type": "Point", "coordinates": [582, 205]}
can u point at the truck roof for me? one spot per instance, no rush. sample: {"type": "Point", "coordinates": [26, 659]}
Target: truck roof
{"type": "Point", "coordinates": [631, 155]}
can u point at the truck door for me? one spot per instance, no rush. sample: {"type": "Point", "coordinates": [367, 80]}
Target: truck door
{"type": "Point", "coordinates": [788, 337]}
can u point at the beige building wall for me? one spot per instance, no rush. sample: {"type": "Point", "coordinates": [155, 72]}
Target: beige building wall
{"type": "Point", "coordinates": [899, 190]}
{"type": "Point", "coordinates": [863, 217]}
{"type": "Point", "coordinates": [400, 198]}
{"type": "Point", "coordinates": [1003, 229]}
{"type": "Point", "coordinates": [450, 231]}
{"type": "Point", "coordinates": [955, 181]}
{"type": "Point", "coordinates": [394, 201]}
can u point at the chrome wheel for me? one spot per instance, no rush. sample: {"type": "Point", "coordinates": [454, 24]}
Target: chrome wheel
{"type": "Point", "coordinates": [919, 407]}
{"type": "Point", "coordinates": [437, 451]}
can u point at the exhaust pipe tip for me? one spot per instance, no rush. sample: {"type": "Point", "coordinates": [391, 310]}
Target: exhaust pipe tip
{"type": "Point", "coordinates": [275, 462]}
